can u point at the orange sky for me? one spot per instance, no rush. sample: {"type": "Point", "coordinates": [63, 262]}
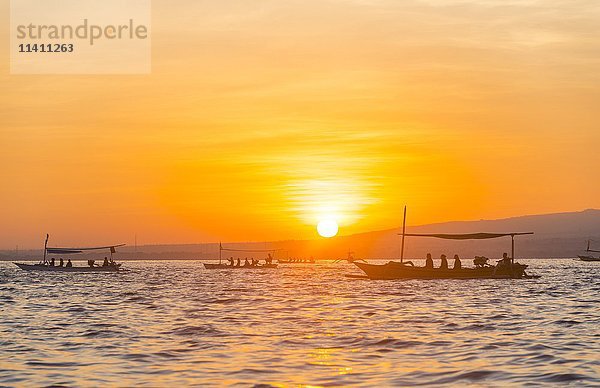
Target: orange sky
{"type": "Point", "coordinates": [261, 117]}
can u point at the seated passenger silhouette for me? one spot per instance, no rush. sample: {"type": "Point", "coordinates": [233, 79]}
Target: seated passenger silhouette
{"type": "Point", "coordinates": [429, 261]}
{"type": "Point", "coordinates": [444, 263]}
{"type": "Point", "coordinates": [505, 262]}
{"type": "Point", "coordinates": [231, 261]}
{"type": "Point", "coordinates": [61, 262]}
{"type": "Point", "coordinates": [69, 264]}
{"type": "Point", "coordinates": [457, 263]}
{"type": "Point", "coordinates": [105, 263]}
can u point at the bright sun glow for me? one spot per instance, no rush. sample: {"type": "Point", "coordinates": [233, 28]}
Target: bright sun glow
{"type": "Point", "coordinates": [327, 228]}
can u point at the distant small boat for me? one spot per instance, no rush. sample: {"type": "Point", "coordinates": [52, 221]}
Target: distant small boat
{"type": "Point", "coordinates": [221, 265]}
{"type": "Point", "coordinates": [226, 266]}
{"type": "Point", "coordinates": [588, 256]}
{"type": "Point", "coordinates": [50, 266]}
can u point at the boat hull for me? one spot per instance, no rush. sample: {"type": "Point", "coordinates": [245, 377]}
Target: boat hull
{"type": "Point", "coordinates": [589, 258]}
{"type": "Point", "coordinates": [395, 270]}
{"type": "Point", "coordinates": [46, 268]}
{"type": "Point", "coordinates": [225, 266]}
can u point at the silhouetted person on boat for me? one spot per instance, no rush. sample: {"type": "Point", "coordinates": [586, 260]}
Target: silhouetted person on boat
{"type": "Point", "coordinates": [52, 262]}
{"type": "Point", "coordinates": [239, 262]}
{"type": "Point", "coordinates": [91, 262]}
{"type": "Point", "coordinates": [444, 263]}
{"type": "Point", "coordinates": [69, 264]}
{"type": "Point", "coordinates": [457, 263]}
{"type": "Point", "coordinates": [505, 262]}
{"type": "Point", "coordinates": [429, 261]}
{"type": "Point", "coordinates": [246, 263]}
{"type": "Point", "coordinates": [269, 259]}
{"type": "Point", "coordinates": [231, 261]}
{"type": "Point", "coordinates": [61, 262]}
{"type": "Point", "coordinates": [105, 263]}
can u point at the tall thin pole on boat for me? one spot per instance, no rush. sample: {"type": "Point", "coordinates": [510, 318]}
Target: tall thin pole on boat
{"type": "Point", "coordinates": [512, 253]}
{"type": "Point", "coordinates": [46, 246]}
{"type": "Point", "coordinates": [220, 250]}
{"type": "Point", "coordinates": [403, 232]}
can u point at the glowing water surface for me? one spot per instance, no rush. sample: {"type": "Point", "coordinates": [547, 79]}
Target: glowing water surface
{"type": "Point", "coordinates": [176, 323]}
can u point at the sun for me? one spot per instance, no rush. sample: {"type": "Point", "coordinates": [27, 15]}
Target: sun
{"type": "Point", "coordinates": [327, 228]}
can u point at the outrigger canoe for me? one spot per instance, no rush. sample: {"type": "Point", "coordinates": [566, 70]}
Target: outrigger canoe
{"type": "Point", "coordinates": [397, 270]}
{"type": "Point", "coordinates": [221, 265]}
{"type": "Point", "coordinates": [45, 265]}
{"type": "Point", "coordinates": [506, 268]}
{"type": "Point", "coordinates": [226, 266]}
{"type": "Point", "coordinates": [588, 257]}
{"type": "Point", "coordinates": [42, 267]}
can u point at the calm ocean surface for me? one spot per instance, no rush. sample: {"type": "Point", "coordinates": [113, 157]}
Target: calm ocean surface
{"type": "Point", "coordinates": [175, 323]}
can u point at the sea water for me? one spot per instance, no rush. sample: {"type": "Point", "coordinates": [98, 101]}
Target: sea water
{"type": "Point", "coordinates": [175, 323]}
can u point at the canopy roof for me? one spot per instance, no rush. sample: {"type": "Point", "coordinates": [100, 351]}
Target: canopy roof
{"type": "Point", "coordinates": [465, 236]}
{"type": "Point", "coordinates": [68, 251]}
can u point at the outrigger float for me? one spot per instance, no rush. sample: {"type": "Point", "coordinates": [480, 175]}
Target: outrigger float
{"type": "Point", "coordinates": [504, 269]}
{"type": "Point", "coordinates": [46, 265]}
{"type": "Point", "coordinates": [221, 265]}
{"type": "Point", "coordinates": [588, 254]}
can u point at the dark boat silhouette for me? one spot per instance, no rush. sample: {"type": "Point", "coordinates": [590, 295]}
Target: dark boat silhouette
{"type": "Point", "coordinates": [504, 269]}
{"type": "Point", "coordinates": [221, 265]}
{"type": "Point", "coordinates": [587, 256]}
{"type": "Point", "coordinates": [47, 266]}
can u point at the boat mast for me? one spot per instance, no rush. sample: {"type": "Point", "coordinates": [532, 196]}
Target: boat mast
{"type": "Point", "coordinates": [403, 233]}
{"type": "Point", "coordinates": [46, 246]}
{"type": "Point", "coordinates": [220, 250]}
{"type": "Point", "coordinates": [512, 252]}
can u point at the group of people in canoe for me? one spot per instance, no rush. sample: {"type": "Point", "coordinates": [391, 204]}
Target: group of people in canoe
{"type": "Point", "coordinates": [106, 263]}
{"type": "Point", "coordinates": [479, 262]}
{"type": "Point", "coordinates": [61, 263]}
{"type": "Point", "coordinates": [443, 263]}
{"type": "Point", "coordinates": [248, 263]}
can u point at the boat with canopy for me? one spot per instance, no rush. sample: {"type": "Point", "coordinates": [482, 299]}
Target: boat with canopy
{"type": "Point", "coordinates": [504, 269]}
{"type": "Point", "coordinates": [588, 256]}
{"type": "Point", "coordinates": [47, 265]}
{"type": "Point", "coordinates": [268, 264]}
